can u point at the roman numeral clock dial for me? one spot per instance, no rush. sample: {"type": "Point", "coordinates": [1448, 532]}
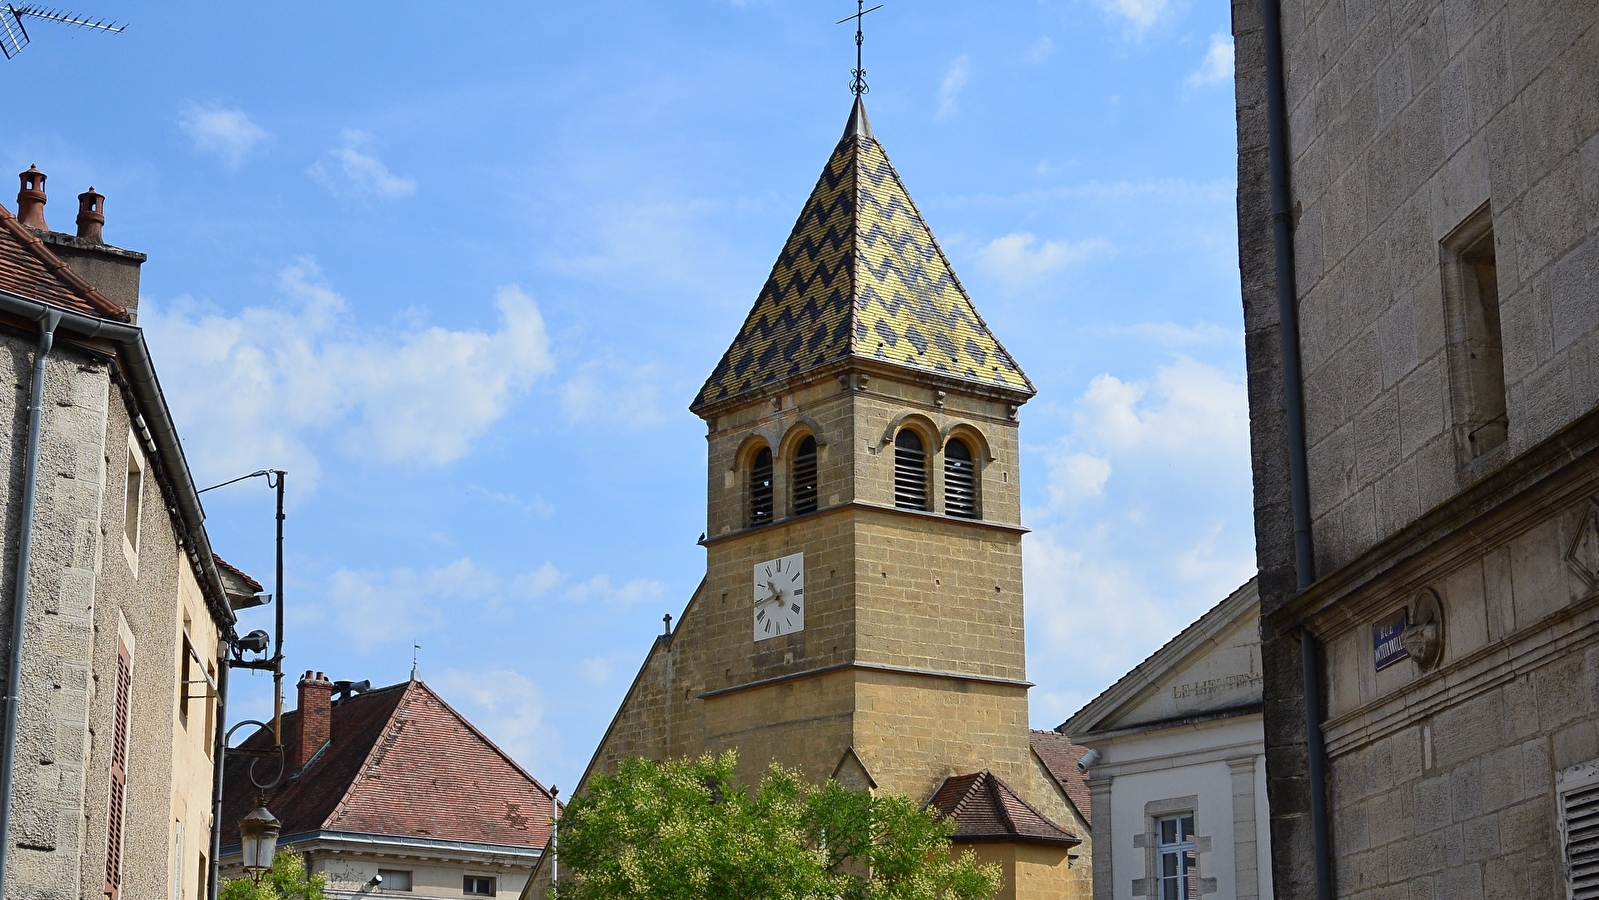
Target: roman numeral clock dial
{"type": "Point", "coordinates": [780, 596]}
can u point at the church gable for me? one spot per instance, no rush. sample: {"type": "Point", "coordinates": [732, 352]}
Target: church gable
{"type": "Point", "coordinates": [1212, 667]}
{"type": "Point", "coordinates": [861, 276]}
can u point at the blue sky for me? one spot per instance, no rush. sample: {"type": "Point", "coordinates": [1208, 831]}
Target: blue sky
{"type": "Point", "coordinates": [460, 269]}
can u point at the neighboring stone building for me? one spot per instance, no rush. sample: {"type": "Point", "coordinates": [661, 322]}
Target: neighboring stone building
{"type": "Point", "coordinates": [861, 614]}
{"type": "Point", "coordinates": [1434, 275]}
{"type": "Point", "coordinates": [125, 602]}
{"type": "Point", "coordinates": [1178, 774]}
{"type": "Point", "coordinates": [393, 791]}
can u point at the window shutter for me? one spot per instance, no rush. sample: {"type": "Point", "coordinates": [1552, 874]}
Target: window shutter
{"type": "Point", "coordinates": [805, 477]}
{"type": "Point", "coordinates": [910, 471]}
{"type": "Point", "coordinates": [960, 481]}
{"type": "Point", "coordinates": [761, 488]}
{"type": "Point", "coordinates": [119, 773]}
{"type": "Point", "coordinates": [1579, 830]}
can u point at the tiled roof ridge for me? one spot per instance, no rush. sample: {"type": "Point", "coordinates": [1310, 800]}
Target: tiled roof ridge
{"type": "Point", "coordinates": [857, 253]}
{"type": "Point", "coordinates": [222, 563]}
{"type": "Point", "coordinates": [1046, 746]}
{"type": "Point", "coordinates": [950, 269]}
{"type": "Point", "coordinates": [481, 736]}
{"type": "Point", "coordinates": [1030, 807]}
{"type": "Point", "coordinates": [59, 268]}
{"type": "Point", "coordinates": [367, 761]}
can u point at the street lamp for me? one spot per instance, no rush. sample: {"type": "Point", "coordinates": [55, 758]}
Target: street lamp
{"type": "Point", "coordinates": [258, 833]}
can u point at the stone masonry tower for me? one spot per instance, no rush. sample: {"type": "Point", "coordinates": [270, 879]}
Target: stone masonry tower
{"type": "Point", "coordinates": [861, 614]}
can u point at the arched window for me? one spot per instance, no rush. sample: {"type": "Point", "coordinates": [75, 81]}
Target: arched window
{"type": "Point", "coordinates": [761, 488]}
{"type": "Point", "coordinates": [960, 480]}
{"type": "Point", "coordinates": [804, 480]}
{"type": "Point", "coordinates": [910, 471]}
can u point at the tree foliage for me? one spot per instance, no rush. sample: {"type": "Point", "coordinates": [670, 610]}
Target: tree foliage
{"type": "Point", "coordinates": [686, 830]}
{"type": "Point", "coordinates": [286, 880]}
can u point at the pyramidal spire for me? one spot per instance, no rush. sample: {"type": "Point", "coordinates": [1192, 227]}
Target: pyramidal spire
{"type": "Point", "coordinates": [861, 277]}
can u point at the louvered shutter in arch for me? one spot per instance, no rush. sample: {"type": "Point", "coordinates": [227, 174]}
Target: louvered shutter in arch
{"type": "Point", "coordinates": [960, 480]}
{"type": "Point", "coordinates": [761, 488]}
{"type": "Point", "coordinates": [805, 477]}
{"type": "Point", "coordinates": [115, 821]}
{"type": "Point", "coordinates": [910, 471]}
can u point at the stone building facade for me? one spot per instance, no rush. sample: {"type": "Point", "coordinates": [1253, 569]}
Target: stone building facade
{"type": "Point", "coordinates": [861, 613]}
{"type": "Point", "coordinates": [1441, 213]}
{"type": "Point", "coordinates": [126, 604]}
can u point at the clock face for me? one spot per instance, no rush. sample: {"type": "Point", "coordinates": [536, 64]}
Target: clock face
{"type": "Point", "coordinates": [780, 596]}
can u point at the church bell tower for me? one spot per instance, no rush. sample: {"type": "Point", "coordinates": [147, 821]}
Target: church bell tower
{"type": "Point", "coordinates": [861, 613]}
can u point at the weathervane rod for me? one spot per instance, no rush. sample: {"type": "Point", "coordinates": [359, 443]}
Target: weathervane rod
{"type": "Point", "coordinates": [857, 84]}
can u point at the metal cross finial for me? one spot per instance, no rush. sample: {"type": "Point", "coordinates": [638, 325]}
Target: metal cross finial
{"type": "Point", "coordinates": [857, 83]}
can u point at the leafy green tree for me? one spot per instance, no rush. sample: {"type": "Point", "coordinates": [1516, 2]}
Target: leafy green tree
{"type": "Point", "coordinates": [286, 880]}
{"type": "Point", "coordinates": [686, 830]}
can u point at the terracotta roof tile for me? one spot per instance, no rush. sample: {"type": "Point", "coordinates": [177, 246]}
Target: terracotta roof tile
{"type": "Point", "coordinates": [238, 573]}
{"type": "Point", "coordinates": [29, 268]}
{"type": "Point", "coordinates": [401, 762]}
{"type": "Point", "coordinates": [1060, 756]}
{"type": "Point", "coordinates": [986, 809]}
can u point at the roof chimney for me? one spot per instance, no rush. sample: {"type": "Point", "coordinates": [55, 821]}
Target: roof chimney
{"type": "Point", "coordinates": [316, 719]}
{"type": "Point", "coordinates": [91, 215]}
{"type": "Point", "coordinates": [30, 200]}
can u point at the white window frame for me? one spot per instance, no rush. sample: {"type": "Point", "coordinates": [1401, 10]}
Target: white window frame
{"type": "Point", "coordinates": [494, 885]}
{"type": "Point", "coordinates": [133, 504]}
{"type": "Point", "coordinates": [1187, 885]}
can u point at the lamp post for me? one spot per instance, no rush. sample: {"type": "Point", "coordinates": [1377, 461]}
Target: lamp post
{"type": "Point", "coordinates": [259, 830]}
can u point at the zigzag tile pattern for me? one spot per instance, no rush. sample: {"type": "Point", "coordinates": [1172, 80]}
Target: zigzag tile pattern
{"type": "Point", "coordinates": [860, 275]}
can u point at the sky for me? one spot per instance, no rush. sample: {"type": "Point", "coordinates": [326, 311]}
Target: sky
{"type": "Point", "coordinates": [461, 269]}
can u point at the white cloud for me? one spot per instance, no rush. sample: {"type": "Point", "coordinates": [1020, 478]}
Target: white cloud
{"type": "Point", "coordinates": [350, 172]}
{"type": "Point", "coordinates": [1021, 258]}
{"type": "Point", "coordinates": [1217, 66]}
{"type": "Point", "coordinates": [225, 133]}
{"type": "Point", "coordinates": [596, 669]}
{"type": "Point", "coordinates": [539, 582]}
{"type": "Point", "coordinates": [600, 587]}
{"type": "Point", "coordinates": [628, 396]}
{"type": "Point", "coordinates": [1076, 477]}
{"type": "Point", "coordinates": [950, 88]}
{"type": "Point", "coordinates": [1192, 410]}
{"type": "Point", "coordinates": [1041, 49]}
{"type": "Point", "coordinates": [505, 705]}
{"type": "Point", "coordinates": [401, 605]}
{"type": "Point", "coordinates": [1140, 15]}
{"type": "Point", "coordinates": [266, 385]}
{"type": "Point", "coordinates": [1170, 334]}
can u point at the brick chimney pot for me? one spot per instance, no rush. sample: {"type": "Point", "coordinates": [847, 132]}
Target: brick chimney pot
{"type": "Point", "coordinates": [30, 200]}
{"type": "Point", "coordinates": [91, 215]}
{"type": "Point", "coordinates": [316, 718]}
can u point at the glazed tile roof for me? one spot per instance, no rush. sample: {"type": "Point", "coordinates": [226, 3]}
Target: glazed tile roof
{"type": "Point", "coordinates": [1060, 756]}
{"type": "Point", "coordinates": [29, 268]}
{"type": "Point", "coordinates": [400, 762]}
{"type": "Point", "coordinates": [986, 809]}
{"type": "Point", "coordinates": [861, 276]}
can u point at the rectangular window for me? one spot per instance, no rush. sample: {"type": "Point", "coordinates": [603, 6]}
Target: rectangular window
{"type": "Point", "coordinates": [132, 499]}
{"type": "Point", "coordinates": [1476, 348]}
{"type": "Point", "coordinates": [394, 879]}
{"type": "Point", "coordinates": [119, 772]}
{"type": "Point", "coordinates": [477, 886]}
{"type": "Point", "coordinates": [205, 877]}
{"type": "Point", "coordinates": [185, 673]}
{"type": "Point", "coordinates": [1179, 866]}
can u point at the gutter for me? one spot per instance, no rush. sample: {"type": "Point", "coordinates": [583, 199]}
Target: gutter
{"type": "Point", "coordinates": [400, 844]}
{"type": "Point", "coordinates": [1294, 412]}
{"type": "Point", "coordinates": [48, 320]}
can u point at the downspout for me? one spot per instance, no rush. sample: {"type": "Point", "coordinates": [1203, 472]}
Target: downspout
{"type": "Point", "coordinates": [214, 868]}
{"type": "Point", "coordinates": [1294, 412]}
{"type": "Point", "coordinates": [19, 600]}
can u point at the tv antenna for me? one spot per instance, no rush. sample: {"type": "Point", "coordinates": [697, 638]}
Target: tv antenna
{"type": "Point", "coordinates": [857, 84]}
{"type": "Point", "coordinates": [14, 35]}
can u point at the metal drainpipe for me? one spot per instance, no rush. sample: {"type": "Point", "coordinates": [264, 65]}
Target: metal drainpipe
{"type": "Point", "coordinates": [219, 748]}
{"type": "Point", "coordinates": [1294, 411]}
{"type": "Point", "coordinates": [19, 601]}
